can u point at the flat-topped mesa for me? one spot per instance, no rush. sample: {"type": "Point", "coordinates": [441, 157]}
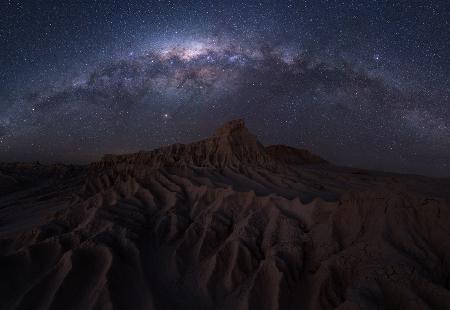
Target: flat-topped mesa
{"type": "Point", "coordinates": [231, 145]}
{"type": "Point", "coordinates": [234, 144]}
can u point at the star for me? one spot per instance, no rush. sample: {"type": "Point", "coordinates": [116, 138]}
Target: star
{"type": "Point", "coordinates": [318, 69]}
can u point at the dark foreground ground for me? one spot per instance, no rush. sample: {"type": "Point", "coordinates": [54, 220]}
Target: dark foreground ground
{"type": "Point", "coordinates": [224, 223]}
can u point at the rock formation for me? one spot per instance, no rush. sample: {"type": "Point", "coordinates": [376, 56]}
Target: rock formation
{"type": "Point", "coordinates": [223, 223]}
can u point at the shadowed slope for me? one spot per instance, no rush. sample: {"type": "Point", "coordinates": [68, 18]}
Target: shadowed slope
{"type": "Point", "coordinates": [225, 223]}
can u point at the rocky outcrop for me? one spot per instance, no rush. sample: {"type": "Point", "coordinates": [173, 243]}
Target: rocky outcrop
{"type": "Point", "coordinates": [217, 224]}
{"type": "Point", "coordinates": [231, 146]}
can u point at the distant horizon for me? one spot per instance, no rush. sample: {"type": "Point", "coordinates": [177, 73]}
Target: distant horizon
{"type": "Point", "coordinates": [364, 84]}
{"type": "Point", "coordinates": [99, 158]}
{"type": "Point", "coordinates": [168, 154]}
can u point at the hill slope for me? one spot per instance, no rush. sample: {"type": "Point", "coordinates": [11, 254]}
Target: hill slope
{"type": "Point", "coordinates": [223, 223]}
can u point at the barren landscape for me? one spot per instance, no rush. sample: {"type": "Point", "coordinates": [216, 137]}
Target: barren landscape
{"type": "Point", "coordinates": [223, 223]}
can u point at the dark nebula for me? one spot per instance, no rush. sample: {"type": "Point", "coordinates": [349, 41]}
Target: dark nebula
{"type": "Point", "coordinates": [362, 83]}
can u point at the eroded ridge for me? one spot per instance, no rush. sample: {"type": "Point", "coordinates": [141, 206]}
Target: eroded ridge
{"type": "Point", "coordinates": [224, 223]}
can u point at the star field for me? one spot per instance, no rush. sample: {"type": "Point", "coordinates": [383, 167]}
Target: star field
{"type": "Point", "coordinates": [361, 83]}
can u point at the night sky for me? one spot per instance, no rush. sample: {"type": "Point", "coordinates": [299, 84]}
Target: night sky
{"type": "Point", "coordinates": [361, 83]}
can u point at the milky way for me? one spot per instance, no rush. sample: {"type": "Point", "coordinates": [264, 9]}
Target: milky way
{"type": "Point", "coordinates": [356, 105]}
